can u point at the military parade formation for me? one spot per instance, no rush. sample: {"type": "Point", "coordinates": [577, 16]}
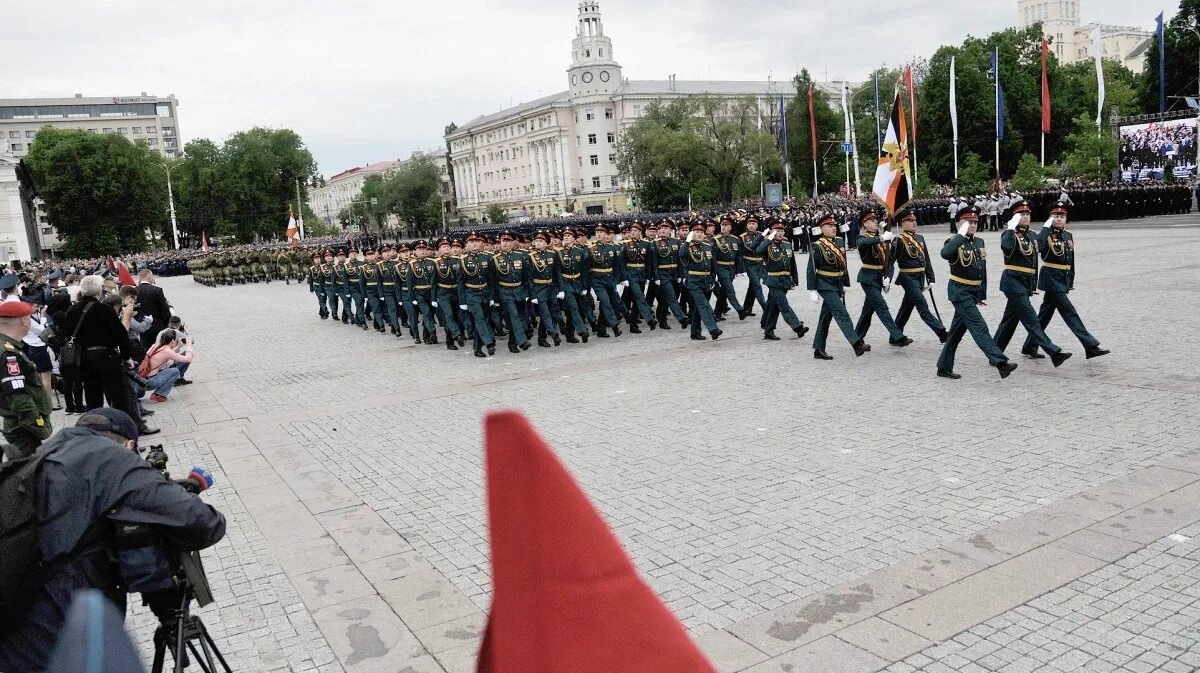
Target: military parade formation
{"type": "Point", "coordinates": [571, 284]}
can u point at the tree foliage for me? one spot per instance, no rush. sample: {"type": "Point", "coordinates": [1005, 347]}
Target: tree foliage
{"type": "Point", "coordinates": [410, 192]}
{"type": "Point", "coordinates": [1093, 152]}
{"type": "Point", "coordinates": [708, 148]}
{"type": "Point", "coordinates": [1183, 48]}
{"type": "Point", "coordinates": [496, 215]}
{"type": "Point", "coordinates": [829, 137]}
{"type": "Point", "coordinates": [103, 194]}
{"type": "Point", "coordinates": [1030, 175]}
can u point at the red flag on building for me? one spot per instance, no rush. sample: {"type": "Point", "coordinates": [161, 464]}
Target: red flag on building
{"type": "Point", "coordinates": [565, 596]}
{"type": "Point", "coordinates": [1045, 88]}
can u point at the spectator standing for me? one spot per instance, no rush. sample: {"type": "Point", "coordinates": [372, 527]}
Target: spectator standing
{"type": "Point", "coordinates": [36, 349]}
{"type": "Point", "coordinates": [153, 303]}
{"type": "Point", "coordinates": [103, 343]}
{"type": "Point", "coordinates": [24, 402]}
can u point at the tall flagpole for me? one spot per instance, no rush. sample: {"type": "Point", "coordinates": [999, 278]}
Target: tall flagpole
{"type": "Point", "coordinates": [812, 129]}
{"type": "Point", "coordinates": [878, 138]}
{"type": "Point", "coordinates": [954, 117]}
{"type": "Point", "coordinates": [996, 131]}
{"type": "Point", "coordinates": [299, 210]}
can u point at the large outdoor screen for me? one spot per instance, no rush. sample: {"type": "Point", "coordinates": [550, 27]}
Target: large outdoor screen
{"type": "Point", "coordinates": [1146, 149]}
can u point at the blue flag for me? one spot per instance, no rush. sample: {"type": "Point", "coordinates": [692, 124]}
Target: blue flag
{"type": "Point", "coordinates": [995, 70]}
{"type": "Point", "coordinates": [1162, 66]}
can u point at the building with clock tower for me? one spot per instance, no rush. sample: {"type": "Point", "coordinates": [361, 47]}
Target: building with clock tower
{"type": "Point", "coordinates": [558, 154]}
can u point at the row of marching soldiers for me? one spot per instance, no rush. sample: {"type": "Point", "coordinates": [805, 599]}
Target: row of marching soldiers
{"type": "Point", "coordinates": [560, 283]}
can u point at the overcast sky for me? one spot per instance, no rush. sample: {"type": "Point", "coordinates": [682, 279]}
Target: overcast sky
{"type": "Point", "coordinates": [366, 81]}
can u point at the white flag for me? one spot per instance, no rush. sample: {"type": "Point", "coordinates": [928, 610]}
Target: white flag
{"type": "Point", "coordinates": [953, 102]}
{"type": "Point", "coordinates": [1098, 53]}
{"type": "Point", "coordinates": [845, 114]}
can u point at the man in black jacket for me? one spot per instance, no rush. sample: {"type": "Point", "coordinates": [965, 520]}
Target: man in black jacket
{"type": "Point", "coordinates": [89, 483]}
{"type": "Point", "coordinates": [103, 343]}
{"type": "Point", "coordinates": [153, 303]}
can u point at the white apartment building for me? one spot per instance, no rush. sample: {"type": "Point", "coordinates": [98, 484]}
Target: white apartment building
{"type": "Point", "coordinates": [1071, 40]}
{"type": "Point", "coordinates": [152, 120]}
{"type": "Point", "coordinates": [346, 187]}
{"type": "Point", "coordinates": [559, 153]}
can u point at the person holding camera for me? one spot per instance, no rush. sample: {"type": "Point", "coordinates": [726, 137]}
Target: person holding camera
{"type": "Point", "coordinates": [89, 486]}
{"type": "Point", "coordinates": [165, 363]}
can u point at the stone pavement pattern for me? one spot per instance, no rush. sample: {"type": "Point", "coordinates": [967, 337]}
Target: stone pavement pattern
{"type": "Point", "coordinates": [747, 480]}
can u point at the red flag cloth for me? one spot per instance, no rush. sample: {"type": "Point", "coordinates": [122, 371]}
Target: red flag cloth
{"type": "Point", "coordinates": [565, 596]}
{"type": "Point", "coordinates": [112, 266]}
{"type": "Point", "coordinates": [124, 276]}
{"type": "Point", "coordinates": [812, 123]}
{"type": "Point", "coordinates": [1045, 88]}
{"type": "Point", "coordinates": [912, 102]}
{"type": "Point", "coordinates": [204, 241]}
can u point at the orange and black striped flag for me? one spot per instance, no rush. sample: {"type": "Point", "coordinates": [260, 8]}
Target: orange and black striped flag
{"type": "Point", "coordinates": [893, 177]}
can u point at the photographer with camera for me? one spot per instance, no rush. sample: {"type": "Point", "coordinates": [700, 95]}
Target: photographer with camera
{"type": "Point", "coordinates": [91, 488]}
{"type": "Point", "coordinates": [165, 363]}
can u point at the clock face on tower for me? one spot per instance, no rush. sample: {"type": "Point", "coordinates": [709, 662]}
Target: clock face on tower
{"type": "Point", "coordinates": [574, 80]}
{"type": "Point", "coordinates": [587, 78]}
{"type": "Point", "coordinates": [603, 75]}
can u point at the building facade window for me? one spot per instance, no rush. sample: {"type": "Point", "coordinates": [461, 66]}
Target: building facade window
{"type": "Point", "coordinates": [17, 147]}
{"type": "Point", "coordinates": [594, 160]}
{"type": "Point", "coordinates": [591, 115]}
{"type": "Point", "coordinates": [614, 181]}
{"type": "Point", "coordinates": [150, 130]}
{"type": "Point", "coordinates": [14, 134]}
{"type": "Point", "coordinates": [30, 134]}
{"type": "Point", "coordinates": [591, 138]}
{"type": "Point", "coordinates": [612, 137]}
{"type": "Point", "coordinates": [612, 158]}
{"type": "Point", "coordinates": [596, 182]}
{"type": "Point", "coordinates": [608, 113]}
{"type": "Point", "coordinates": [136, 130]}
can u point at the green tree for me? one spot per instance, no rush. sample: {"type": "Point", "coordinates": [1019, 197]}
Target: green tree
{"type": "Point", "coordinates": [1093, 154]}
{"type": "Point", "coordinates": [1180, 65]}
{"type": "Point", "coordinates": [496, 215]}
{"type": "Point", "coordinates": [974, 176]}
{"type": "Point", "coordinates": [1030, 175]}
{"type": "Point", "coordinates": [102, 193]}
{"type": "Point", "coordinates": [260, 172]}
{"type": "Point", "coordinates": [830, 165]}
{"type": "Point", "coordinates": [201, 199]}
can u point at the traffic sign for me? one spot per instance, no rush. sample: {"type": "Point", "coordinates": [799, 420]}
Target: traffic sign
{"type": "Point", "coordinates": [847, 148]}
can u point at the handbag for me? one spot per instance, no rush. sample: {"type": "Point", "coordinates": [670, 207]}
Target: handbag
{"type": "Point", "coordinates": [71, 354]}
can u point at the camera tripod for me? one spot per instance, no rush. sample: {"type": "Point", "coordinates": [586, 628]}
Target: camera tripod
{"type": "Point", "coordinates": [186, 629]}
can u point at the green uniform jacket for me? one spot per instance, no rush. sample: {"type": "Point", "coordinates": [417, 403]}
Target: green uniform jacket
{"type": "Point", "coordinates": [1058, 260]}
{"type": "Point", "coordinates": [542, 271]}
{"type": "Point", "coordinates": [607, 256]}
{"type": "Point", "coordinates": [726, 250]}
{"type": "Point", "coordinates": [749, 252]}
{"type": "Point", "coordinates": [780, 263]}
{"type": "Point", "coordinates": [476, 272]}
{"type": "Point", "coordinates": [510, 274]}
{"type": "Point", "coordinates": [697, 260]}
{"type": "Point", "coordinates": [968, 268]}
{"type": "Point", "coordinates": [877, 263]}
{"type": "Point", "coordinates": [637, 259]}
{"type": "Point", "coordinates": [827, 266]}
{"type": "Point", "coordinates": [1020, 250]}
{"type": "Point", "coordinates": [24, 403]}
{"type": "Point", "coordinates": [911, 256]}
{"type": "Point", "coordinates": [666, 259]}
{"type": "Point", "coordinates": [573, 268]}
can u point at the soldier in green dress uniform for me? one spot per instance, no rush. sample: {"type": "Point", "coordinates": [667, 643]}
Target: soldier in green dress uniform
{"type": "Point", "coordinates": [476, 281]}
{"type": "Point", "coordinates": [388, 278]}
{"type": "Point", "coordinates": [780, 276]}
{"type": "Point", "coordinates": [914, 270]}
{"type": "Point", "coordinates": [696, 260]}
{"type": "Point", "coordinates": [637, 257]}
{"type": "Point", "coordinates": [666, 271]}
{"type": "Point", "coordinates": [446, 292]}
{"type": "Point", "coordinates": [373, 289]}
{"type": "Point", "coordinates": [606, 275]}
{"type": "Point", "coordinates": [967, 289]}
{"type": "Point", "coordinates": [1057, 278]}
{"type": "Point", "coordinates": [420, 285]}
{"type": "Point", "coordinates": [408, 314]}
{"type": "Point", "coordinates": [542, 279]}
{"type": "Point", "coordinates": [727, 253]}
{"type": "Point", "coordinates": [752, 264]}
{"type": "Point", "coordinates": [574, 282]}
{"type": "Point", "coordinates": [316, 285]}
{"type": "Point", "coordinates": [827, 279]}
{"type": "Point", "coordinates": [354, 285]}
{"type": "Point", "coordinates": [875, 278]}
{"type": "Point", "coordinates": [510, 290]}
{"type": "Point", "coordinates": [1018, 280]}
{"type": "Point", "coordinates": [24, 403]}
{"type": "Point", "coordinates": [328, 278]}
{"type": "Point", "coordinates": [342, 283]}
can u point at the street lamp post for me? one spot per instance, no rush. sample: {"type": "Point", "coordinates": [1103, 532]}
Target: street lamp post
{"type": "Point", "coordinates": [171, 201]}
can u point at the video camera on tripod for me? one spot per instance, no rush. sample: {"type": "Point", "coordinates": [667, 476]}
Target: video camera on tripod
{"type": "Point", "coordinates": [179, 629]}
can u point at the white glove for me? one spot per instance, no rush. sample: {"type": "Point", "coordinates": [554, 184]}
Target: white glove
{"type": "Point", "coordinates": [493, 303]}
{"type": "Point", "coordinates": [962, 228]}
{"type": "Point", "coordinates": [887, 284]}
{"type": "Point", "coordinates": [814, 297]}
{"type": "Point", "coordinates": [769, 235]}
{"type": "Point", "coordinates": [434, 304]}
{"type": "Point", "coordinates": [462, 307]}
{"type": "Point", "coordinates": [844, 228]}
{"type": "Point", "coordinates": [931, 283]}
{"type": "Point", "coordinates": [658, 282]}
{"type": "Point", "coordinates": [560, 295]}
{"type": "Point", "coordinates": [583, 294]}
{"type": "Point", "coordinates": [622, 285]}
{"type": "Point", "coordinates": [414, 302]}
{"type": "Point", "coordinates": [1049, 221]}
{"type": "Point", "coordinates": [887, 236]}
{"type": "Point", "coordinates": [1012, 224]}
{"type": "Point", "coordinates": [690, 236]}
{"type": "Point", "coordinates": [534, 302]}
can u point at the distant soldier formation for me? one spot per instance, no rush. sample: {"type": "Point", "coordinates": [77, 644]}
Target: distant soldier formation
{"type": "Point", "coordinates": [571, 283]}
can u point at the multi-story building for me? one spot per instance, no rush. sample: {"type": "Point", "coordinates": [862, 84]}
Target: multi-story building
{"type": "Point", "coordinates": [152, 120]}
{"type": "Point", "coordinates": [1071, 40]}
{"type": "Point", "coordinates": [559, 153]}
{"type": "Point", "coordinates": [345, 187]}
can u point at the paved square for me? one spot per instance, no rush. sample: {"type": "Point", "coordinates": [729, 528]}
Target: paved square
{"type": "Point", "coordinates": [742, 475]}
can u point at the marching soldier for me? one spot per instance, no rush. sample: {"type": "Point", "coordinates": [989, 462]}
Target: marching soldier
{"type": "Point", "coordinates": [342, 283]}
{"type": "Point", "coordinates": [666, 269]}
{"type": "Point", "coordinates": [967, 289]}
{"type": "Point", "coordinates": [510, 290]}
{"type": "Point", "coordinates": [420, 285]}
{"type": "Point", "coordinates": [1057, 279]}
{"type": "Point", "coordinates": [354, 283]}
{"type": "Point", "coordinates": [1019, 278]}
{"type": "Point", "coordinates": [726, 248]}
{"type": "Point", "coordinates": [914, 269]}
{"type": "Point", "coordinates": [283, 266]}
{"type": "Point", "coordinates": [606, 276]}
{"type": "Point", "coordinates": [388, 281]}
{"type": "Point", "coordinates": [404, 292]}
{"type": "Point", "coordinates": [875, 278]}
{"type": "Point", "coordinates": [476, 284]}
{"type": "Point", "coordinates": [827, 277]}
{"type": "Point", "coordinates": [637, 256]}
{"type": "Point", "coordinates": [752, 264]}
{"type": "Point", "coordinates": [573, 274]}
{"type": "Point", "coordinates": [781, 276]}
{"type": "Point", "coordinates": [542, 279]}
{"type": "Point", "coordinates": [316, 284]}
{"type": "Point", "coordinates": [446, 293]}
{"type": "Point", "coordinates": [373, 290]}
{"type": "Point", "coordinates": [697, 261]}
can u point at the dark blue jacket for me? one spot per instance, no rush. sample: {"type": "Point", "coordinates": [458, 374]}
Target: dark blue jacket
{"type": "Point", "coordinates": [86, 477]}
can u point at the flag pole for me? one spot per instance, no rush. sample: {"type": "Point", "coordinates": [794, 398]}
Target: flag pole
{"type": "Point", "coordinates": [998, 112]}
{"type": "Point", "coordinates": [812, 130]}
{"type": "Point", "coordinates": [853, 144]}
{"type": "Point", "coordinates": [299, 210]}
{"type": "Point", "coordinates": [954, 118]}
